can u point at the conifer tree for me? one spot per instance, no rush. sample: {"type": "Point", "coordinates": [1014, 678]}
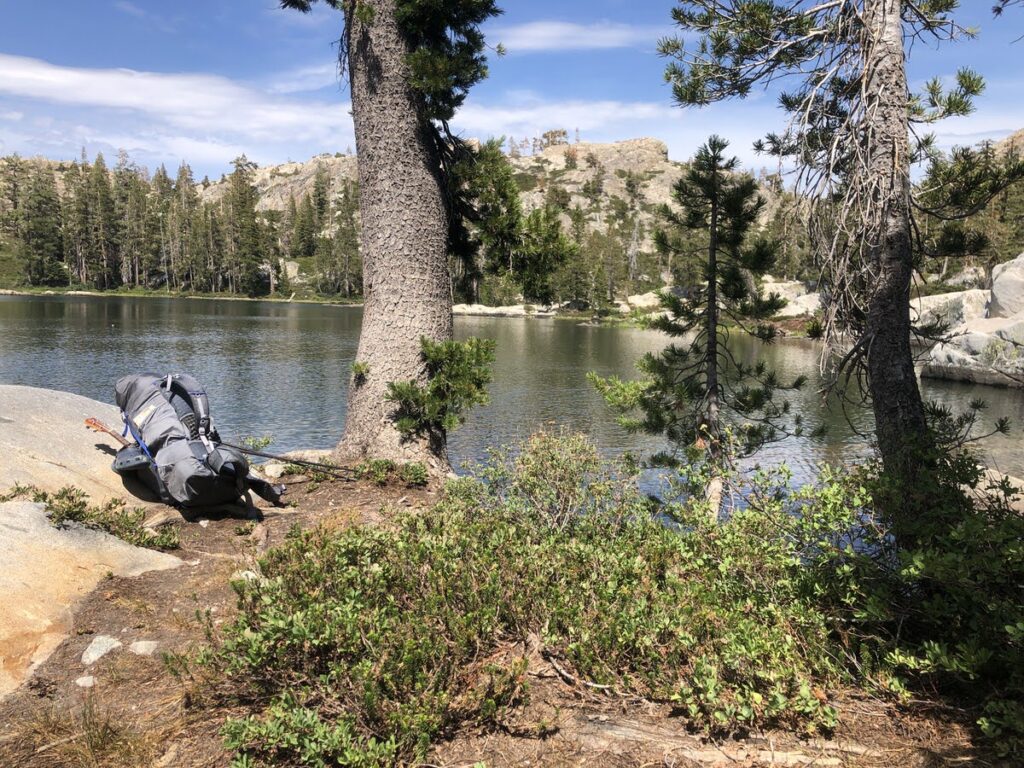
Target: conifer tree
{"type": "Point", "coordinates": [850, 138]}
{"type": "Point", "coordinates": [321, 197]}
{"type": "Point", "coordinates": [410, 64]}
{"type": "Point", "coordinates": [77, 217]}
{"type": "Point", "coordinates": [487, 233]}
{"type": "Point", "coordinates": [42, 244]}
{"type": "Point", "coordinates": [304, 230]}
{"type": "Point", "coordinates": [182, 213]}
{"type": "Point", "coordinates": [162, 192]}
{"type": "Point", "coordinates": [544, 249]}
{"type": "Point", "coordinates": [708, 404]}
{"type": "Point", "coordinates": [14, 181]}
{"type": "Point", "coordinates": [244, 234]}
{"type": "Point", "coordinates": [346, 241]}
{"type": "Point", "coordinates": [103, 227]}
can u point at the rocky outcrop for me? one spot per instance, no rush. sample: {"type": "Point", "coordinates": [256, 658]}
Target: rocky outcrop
{"type": "Point", "coordinates": [514, 310]}
{"type": "Point", "coordinates": [986, 342]}
{"type": "Point", "coordinates": [787, 289]}
{"type": "Point", "coordinates": [802, 306]}
{"type": "Point", "coordinates": [44, 570]}
{"type": "Point", "coordinates": [278, 184]}
{"type": "Point", "coordinates": [985, 351]}
{"type": "Point", "coordinates": [645, 302]}
{"type": "Point", "coordinates": [1008, 288]}
{"type": "Point", "coordinates": [44, 442]}
{"type": "Point", "coordinates": [952, 310]}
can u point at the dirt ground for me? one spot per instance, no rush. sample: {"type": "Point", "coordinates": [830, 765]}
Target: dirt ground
{"type": "Point", "coordinates": [127, 710]}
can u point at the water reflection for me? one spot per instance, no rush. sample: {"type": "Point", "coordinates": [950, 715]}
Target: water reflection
{"type": "Point", "coordinates": [282, 369]}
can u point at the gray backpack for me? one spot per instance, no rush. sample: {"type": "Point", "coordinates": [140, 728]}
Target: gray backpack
{"type": "Point", "coordinates": [177, 451]}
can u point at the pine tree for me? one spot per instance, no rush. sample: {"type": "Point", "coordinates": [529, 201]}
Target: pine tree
{"type": "Point", "coordinates": [321, 198]}
{"type": "Point", "coordinates": [14, 180]}
{"type": "Point", "coordinates": [42, 242]}
{"type": "Point", "coordinates": [544, 249]}
{"type": "Point", "coordinates": [488, 231]}
{"type": "Point", "coordinates": [76, 216]}
{"type": "Point", "coordinates": [304, 230]}
{"type": "Point", "coordinates": [245, 237]}
{"type": "Point", "coordinates": [410, 65]}
{"type": "Point", "coordinates": [346, 241]}
{"type": "Point", "coordinates": [708, 404]}
{"type": "Point", "coordinates": [103, 245]}
{"type": "Point", "coordinates": [162, 197]}
{"type": "Point", "coordinates": [182, 214]}
{"type": "Point", "coordinates": [850, 138]}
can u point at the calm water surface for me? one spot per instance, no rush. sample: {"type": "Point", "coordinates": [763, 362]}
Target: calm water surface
{"type": "Point", "coordinates": [282, 370]}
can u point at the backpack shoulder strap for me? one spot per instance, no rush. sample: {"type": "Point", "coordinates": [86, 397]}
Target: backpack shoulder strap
{"type": "Point", "coordinates": [193, 392]}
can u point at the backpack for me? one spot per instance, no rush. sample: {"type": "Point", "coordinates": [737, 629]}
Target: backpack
{"type": "Point", "coordinates": [177, 452]}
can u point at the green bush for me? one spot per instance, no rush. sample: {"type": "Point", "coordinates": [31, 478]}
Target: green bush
{"type": "Point", "coordinates": [458, 373]}
{"type": "Point", "coordinates": [71, 504]}
{"type": "Point", "coordinates": [361, 647]}
{"type": "Point", "coordinates": [953, 595]}
{"type": "Point", "coordinates": [383, 471]}
{"type": "Point", "coordinates": [378, 471]}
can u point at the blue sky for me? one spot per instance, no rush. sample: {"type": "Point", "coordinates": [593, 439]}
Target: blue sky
{"type": "Point", "coordinates": [206, 80]}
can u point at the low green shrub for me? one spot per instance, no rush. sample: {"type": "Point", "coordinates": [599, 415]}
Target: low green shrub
{"type": "Point", "coordinates": [378, 471]}
{"type": "Point", "coordinates": [951, 603]}
{"type": "Point", "coordinates": [361, 647]}
{"type": "Point", "coordinates": [383, 471]}
{"type": "Point", "coordinates": [71, 504]}
{"type": "Point", "coordinates": [458, 373]}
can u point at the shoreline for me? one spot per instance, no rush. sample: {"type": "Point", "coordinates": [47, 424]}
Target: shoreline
{"type": "Point", "coordinates": [51, 292]}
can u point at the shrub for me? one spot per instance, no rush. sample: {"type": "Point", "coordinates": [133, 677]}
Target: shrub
{"type": "Point", "coordinates": [361, 647]}
{"type": "Point", "coordinates": [458, 373]}
{"type": "Point", "coordinates": [955, 595]}
{"type": "Point", "coordinates": [71, 504]}
{"type": "Point", "coordinates": [378, 471]}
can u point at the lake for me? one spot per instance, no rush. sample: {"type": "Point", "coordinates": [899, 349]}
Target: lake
{"type": "Point", "coordinates": [282, 370]}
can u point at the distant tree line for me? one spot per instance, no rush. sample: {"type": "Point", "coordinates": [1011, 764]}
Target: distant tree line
{"type": "Point", "coordinates": [83, 224]}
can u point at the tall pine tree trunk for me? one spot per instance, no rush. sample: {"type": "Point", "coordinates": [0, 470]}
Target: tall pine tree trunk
{"type": "Point", "coordinates": [900, 423]}
{"type": "Point", "coordinates": [713, 493]}
{"type": "Point", "coordinates": [404, 233]}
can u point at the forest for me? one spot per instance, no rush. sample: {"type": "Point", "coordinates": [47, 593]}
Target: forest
{"type": "Point", "coordinates": [84, 225]}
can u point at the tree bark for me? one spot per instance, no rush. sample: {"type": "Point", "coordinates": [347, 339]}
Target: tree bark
{"type": "Point", "coordinates": [900, 423]}
{"type": "Point", "coordinates": [404, 235]}
{"type": "Point", "coordinates": [713, 493]}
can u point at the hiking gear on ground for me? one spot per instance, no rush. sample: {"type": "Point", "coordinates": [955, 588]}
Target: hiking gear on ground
{"type": "Point", "coordinates": [338, 472]}
{"type": "Point", "coordinates": [177, 451]}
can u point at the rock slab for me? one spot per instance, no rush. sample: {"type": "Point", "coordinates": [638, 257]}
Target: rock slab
{"type": "Point", "coordinates": [44, 571]}
{"type": "Point", "coordinates": [44, 442]}
{"type": "Point", "coordinates": [1008, 288]}
{"type": "Point", "coordinates": [100, 646]}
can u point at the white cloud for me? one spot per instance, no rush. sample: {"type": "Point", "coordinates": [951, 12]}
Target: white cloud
{"type": "Point", "coordinates": [200, 102]}
{"type": "Point", "coordinates": [532, 119]}
{"type": "Point", "coordinates": [569, 36]}
{"type": "Point", "coordinates": [130, 8]}
{"type": "Point", "coordinates": [12, 116]}
{"type": "Point", "coordinates": [305, 79]}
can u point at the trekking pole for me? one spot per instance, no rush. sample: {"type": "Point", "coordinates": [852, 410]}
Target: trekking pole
{"type": "Point", "coordinates": [327, 469]}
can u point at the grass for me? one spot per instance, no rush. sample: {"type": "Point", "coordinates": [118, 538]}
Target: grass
{"type": "Point", "coordinates": [87, 737]}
